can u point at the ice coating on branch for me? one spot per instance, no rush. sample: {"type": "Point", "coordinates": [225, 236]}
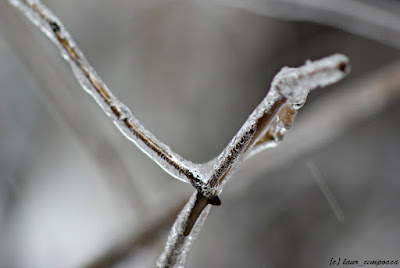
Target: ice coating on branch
{"type": "Point", "coordinates": [178, 245]}
{"type": "Point", "coordinates": [130, 127]}
{"type": "Point", "coordinates": [289, 89]}
{"type": "Point", "coordinates": [291, 84]}
{"type": "Point", "coordinates": [296, 83]}
{"type": "Point", "coordinates": [270, 120]}
{"type": "Point", "coordinates": [275, 132]}
{"type": "Point", "coordinates": [232, 155]}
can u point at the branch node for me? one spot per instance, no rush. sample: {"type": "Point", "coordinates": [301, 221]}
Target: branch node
{"type": "Point", "coordinates": [215, 201]}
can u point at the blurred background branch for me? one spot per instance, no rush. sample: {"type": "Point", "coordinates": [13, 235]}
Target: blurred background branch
{"type": "Point", "coordinates": [377, 20]}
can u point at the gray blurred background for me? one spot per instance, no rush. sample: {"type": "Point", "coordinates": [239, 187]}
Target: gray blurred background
{"type": "Point", "coordinates": [72, 188]}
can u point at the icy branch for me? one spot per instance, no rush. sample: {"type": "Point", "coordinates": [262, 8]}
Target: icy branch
{"type": "Point", "coordinates": [290, 87]}
{"type": "Point", "coordinates": [284, 121]}
{"type": "Point", "coordinates": [332, 115]}
{"type": "Point", "coordinates": [288, 93]}
{"type": "Point", "coordinates": [50, 25]}
{"type": "Point", "coordinates": [184, 232]}
{"type": "Point", "coordinates": [268, 123]}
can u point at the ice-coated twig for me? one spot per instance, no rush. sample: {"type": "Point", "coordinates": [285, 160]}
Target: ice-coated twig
{"type": "Point", "coordinates": [284, 121]}
{"type": "Point", "coordinates": [290, 87]}
{"type": "Point", "coordinates": [50, 25]}
{"type": "Point", "coordinates": [370, 95]}
{"type": "Point", "coordinates": [276, 131]}
{"type": "Point", "coordinates": [288, 93]}
{"type": "Point", "coordinates": [329, 118]}
{"type": "Point", "coordinates": [184, 232]}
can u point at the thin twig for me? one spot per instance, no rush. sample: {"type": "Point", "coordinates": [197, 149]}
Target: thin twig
{"type": "Point", "coordinates": [285, 85]}
{"type": "Point", "coordinates": [289, 89]}
{"type": "Point", "coordinates": [330, 117]}
{"type": "Point", "coordinates": [382, 87]}
{"type": "Point", "coordinates": [49, 24]}
{"type": "Point", "coordinates": [180, 239]}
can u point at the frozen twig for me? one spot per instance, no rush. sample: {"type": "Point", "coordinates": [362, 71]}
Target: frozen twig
{"type": "Point", "coordinates": [74, 114]}
{"type": "Point", "coordinates": [370, 95]}
{"type": "Point", "coordinates": [284, 121]}
{"type": "Point", "coordinates": [184, 232]}
{"type": "Point", "coordinates": [379, 21]}
{"type": "Point", "coordinates": [287, 94]}
{"type": "Point", "coordinates": [50, 25]}
{"type": "Point", "coordinates": [330, 117]}
{"type": "Point", "coordinates": [290, 85]}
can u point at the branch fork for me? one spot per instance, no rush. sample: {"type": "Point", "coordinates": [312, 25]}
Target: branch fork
{"type": "Point", "coordinates": [263, 129]}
